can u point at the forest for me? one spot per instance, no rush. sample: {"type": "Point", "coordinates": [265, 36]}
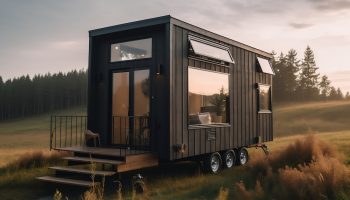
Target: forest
{"type": "Point", "coordinates": [294, 80]}
{"type": "Point", "coordinates": [299, 80]}
{"type": "Point", "coordinates": [24, 96]}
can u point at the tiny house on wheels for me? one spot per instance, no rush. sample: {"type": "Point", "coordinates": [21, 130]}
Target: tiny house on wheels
{"type": "Point", "coordinates": [163, 90]}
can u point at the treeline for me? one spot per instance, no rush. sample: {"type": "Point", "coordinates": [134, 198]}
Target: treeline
{"type": "Point", "coordinates": [25, 96]}
{"type": "Point", "coordinates": [299, 80]}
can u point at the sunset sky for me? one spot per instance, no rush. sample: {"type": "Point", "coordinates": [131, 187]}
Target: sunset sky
{"type": "Point", "coordinates": [51, 36]}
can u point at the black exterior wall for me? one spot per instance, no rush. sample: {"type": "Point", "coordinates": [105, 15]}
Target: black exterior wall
{"type": "Point", "coordinates": [169, 89]}
{"type": "Point", "coordinates": [246, 124]}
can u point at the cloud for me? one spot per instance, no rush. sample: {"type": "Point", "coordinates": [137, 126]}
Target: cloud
{"type": "Point", "coordinates": [300, 25]}
{"type": "Point", "coordinates": [341, 79]}
{"type": "Point", "coordinates": [331, 5]}
{"type": "Point", "coordinates": [66, 44]}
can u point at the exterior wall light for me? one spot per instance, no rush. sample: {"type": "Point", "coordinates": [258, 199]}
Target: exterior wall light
{"type": "Point", "coordinates": [159, 69]}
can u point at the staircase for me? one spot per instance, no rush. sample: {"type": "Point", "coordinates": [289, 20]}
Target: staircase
{"type": "Point", "coordinates": [78, 172]}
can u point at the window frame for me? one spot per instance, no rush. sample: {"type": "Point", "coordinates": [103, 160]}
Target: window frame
{"type": "Point", "coordinates": [270, 98]}
{"type": "Point", "coordinates": [199, 126]}
{"type": "Point", "coordinates": [259, 62]}
{"type": "Point", "coordinates": [130, 40]}
{"type": "Point", "coordinates": [212, 44]}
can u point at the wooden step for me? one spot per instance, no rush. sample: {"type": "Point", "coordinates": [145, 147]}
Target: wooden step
{"type": "Point", "coordinates": [101, 151]}
{"type": "Point", "coordinates": [83, 171]}
{"type": "Point", "coordinates": [68, 181]}
{"type": "Point", "coordinates": [94, 160]}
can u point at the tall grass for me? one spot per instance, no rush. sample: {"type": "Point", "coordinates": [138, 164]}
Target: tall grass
{"type": "Point", "coordinates": [96, 192]}
{"type": "Point", "coordinates": [307, 169]}
{"type": "Point", "coordinates": [36, 159]}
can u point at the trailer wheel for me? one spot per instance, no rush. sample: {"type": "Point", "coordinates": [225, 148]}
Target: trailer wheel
{"type": "Point", "coordinates": [138, 184]}
{"type": "Point", "coordinates": [229, 158]}
{"type": "Point", "coordinates": [213, 163]}
{"type": "Point", "coordinates": [242, 156]}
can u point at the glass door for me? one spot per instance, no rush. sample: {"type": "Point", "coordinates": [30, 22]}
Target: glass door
{"type": "Point", "coordinates": [130, 108]}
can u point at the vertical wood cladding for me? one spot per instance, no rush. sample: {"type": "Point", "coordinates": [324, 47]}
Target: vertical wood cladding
{"type": "Point", "coordinates": [245, 121]}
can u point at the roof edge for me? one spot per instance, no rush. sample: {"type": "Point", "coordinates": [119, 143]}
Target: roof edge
{"type": "Point", "coordinates": [169, 19]}
{"type": "Point", "coordinates": [130, 25]}
{"type": "Point", "coordinates": [227, 40]}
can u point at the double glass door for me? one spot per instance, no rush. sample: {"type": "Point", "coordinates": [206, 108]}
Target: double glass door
{"type": "Point", "coordinates": [131, 107]}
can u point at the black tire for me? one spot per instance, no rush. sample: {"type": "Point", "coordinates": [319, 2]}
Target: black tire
{"type": "Point", "coordinates": [139, 187]}
{"type": "Point", "coordinates": [213, 163]}
{"type": "Point", "coordinates": [138, 184]}
{"type": "Point", "coordinates": [229, 159]}
{"type": "Point", "coordinates": [242, 156]}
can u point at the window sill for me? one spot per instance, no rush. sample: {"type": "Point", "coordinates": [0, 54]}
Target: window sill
{"type": "Point", "coordinates": [265, 112]}
{"type": "Point", "coordinates": [214, 125]}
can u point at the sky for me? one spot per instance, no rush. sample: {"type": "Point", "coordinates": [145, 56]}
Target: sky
{"type": "Point", "coordinates": [39, 36]}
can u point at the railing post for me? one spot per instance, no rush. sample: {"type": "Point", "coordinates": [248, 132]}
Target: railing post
{"type": "Point", "coordinates": [55, 132]}
{"type": "Point", "coordinates": [50, 132]}
{"type": "Point", "coordinates": [71, 130]}
{"type": "Point", "coordinates": [60, 131]}
{"type": "Point", "coordinates": [76, 130]}
{"type": "Point", "coordinates": [65, 131]}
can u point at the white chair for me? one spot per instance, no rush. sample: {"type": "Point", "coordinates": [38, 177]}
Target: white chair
{"type": "Point", "coordinates": [91, 135]}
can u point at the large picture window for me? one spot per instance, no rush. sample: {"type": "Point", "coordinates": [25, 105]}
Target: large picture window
{"type": "Point", "coordinates": [132, 50]}
{"type": "Point", "coordinates": [264, 98]}
{"type": "Point", "coordinates": [208, 97]}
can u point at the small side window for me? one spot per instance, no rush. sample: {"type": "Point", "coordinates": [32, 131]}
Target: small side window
{"type": "Point", "coordinates": [264, 92]}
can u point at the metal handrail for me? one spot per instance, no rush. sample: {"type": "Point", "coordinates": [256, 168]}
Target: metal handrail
{"type": "Point", "coordinates": [67, 131]}
{"type": "Point", "coordinates": [131, 132]}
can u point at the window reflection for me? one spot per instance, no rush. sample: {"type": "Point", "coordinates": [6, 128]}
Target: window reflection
{"type": "Point", "coordinates": [264, 97]}
{"type": "Point", "coordinates": [120, 106]}
{"type": "Point", "coordinates": [207, 97]}
{"type": "Point", "coordinates": [142, 91]}
{"type": "Point", "coordinates": [132, 50]}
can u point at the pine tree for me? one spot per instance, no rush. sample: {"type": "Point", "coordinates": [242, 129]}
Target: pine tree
{"type": "Point", "coordinates": [325, 87]}
{"type": "Point", "coordinates": [340, 94]}
{"type": "Point", "coordinates": [278, 80]}
{"type": "Point", "coordinates": [347, 96]}
{"type": "Point", "coordinates": [308, 78]}
{"type": "Point", "coordinates": [333, 93]}
{"type": "Point", "coordinates": [290, 74]}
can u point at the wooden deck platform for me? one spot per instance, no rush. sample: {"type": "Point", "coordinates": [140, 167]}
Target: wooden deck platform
{"type": "Point", "coordinates": [102, 151]}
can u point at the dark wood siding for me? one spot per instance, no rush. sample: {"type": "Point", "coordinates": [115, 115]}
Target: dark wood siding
{"type": "Point", "coordinates": [100, 83]}
{"type": "Point", "coordinates": [245, 121]}
{"type": "Point", "coordinates": [169, 90]}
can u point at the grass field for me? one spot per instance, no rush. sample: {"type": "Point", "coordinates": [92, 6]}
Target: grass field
{"type": "Point", "coordinates": [328, 121]}
{"type": "Point", "coordinates": [29, 134]}
{"type": "Point", "coordinates": [317, 117]}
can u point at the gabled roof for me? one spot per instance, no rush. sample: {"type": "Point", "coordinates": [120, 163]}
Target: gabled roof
{"type": "Point", "coordinates": [169, 19]}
